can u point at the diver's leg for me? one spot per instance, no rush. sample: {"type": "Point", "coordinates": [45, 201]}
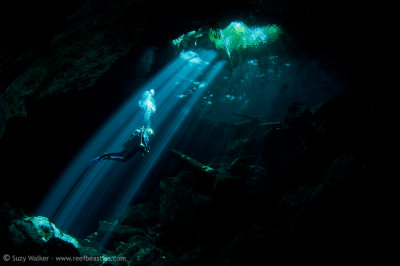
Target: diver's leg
{"type": "Point", "coordinates": [130, 154]}
{"type": "Point", "coordinates": [117, 156]}
{"type": "Point", "coordinates": [120, 156]}
{"type": "Point", "coordinates": [123, 156]}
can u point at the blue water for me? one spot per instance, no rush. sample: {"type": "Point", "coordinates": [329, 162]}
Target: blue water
{"type": "Point", "coordinates": [84, 194]}
{"type": "Point", "coordinates": [196, 89]}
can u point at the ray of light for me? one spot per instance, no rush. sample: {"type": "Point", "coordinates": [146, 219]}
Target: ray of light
{"type": "Point", "coordinates": [82, 192]}
{"type": "Point", "coordinates": [163, 141]}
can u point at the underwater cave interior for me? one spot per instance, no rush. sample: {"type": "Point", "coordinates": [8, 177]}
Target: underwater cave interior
{"type": "Point", "coordinates": [198, 88]}
{"type": "Point", "coordinates": [199, 137]}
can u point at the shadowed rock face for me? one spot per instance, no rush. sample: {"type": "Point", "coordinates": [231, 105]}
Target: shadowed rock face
{"type": "Point", "coordinates": [75, 43]}
{"type": "Point", "coordinates": [71, 47]}
{"type": "Point", "coordinates": [22, 238]}
{"type": "Point", "coordinates": [288, 203]}
{"type": "Point", "coordinates": [74, 59]}
{"type": "Point", "coordinates": [308, 188]}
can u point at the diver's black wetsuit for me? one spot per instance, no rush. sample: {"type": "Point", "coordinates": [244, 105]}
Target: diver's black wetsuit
{"type": "Point", "coordinates": [137, 142]}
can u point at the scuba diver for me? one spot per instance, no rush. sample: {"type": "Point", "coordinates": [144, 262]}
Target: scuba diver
{"type": "Point", "coordinates": [138, 141]}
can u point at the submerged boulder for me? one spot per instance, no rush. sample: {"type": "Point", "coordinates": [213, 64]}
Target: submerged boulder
{"type": "Point", "coordinates": [37, 229]}
{"type": "Point", "coordinates": [141, 214]}
{"type": "Point", "coordinates": [142, 250]}
{"type": "Point", "coordinates": [34, 236]}
{"type": "Point", "coordinates": [180, 204]}
{"type": "Point", "coordinates": [118, 231]}
{"type": "Point", "coordinates": [45, 230]}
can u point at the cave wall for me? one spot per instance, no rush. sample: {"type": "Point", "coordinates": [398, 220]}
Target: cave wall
{"type": "Point", "coordinates": [66, 66]}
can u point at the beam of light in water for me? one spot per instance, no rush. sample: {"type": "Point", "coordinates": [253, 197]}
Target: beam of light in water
{"type": "Point", "coordinates": [163, 140]}
{"type": "Point", "coordinates": [84, 194]}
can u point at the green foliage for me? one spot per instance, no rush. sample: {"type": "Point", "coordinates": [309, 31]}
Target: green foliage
{"type": "Point", "coordinates": [187, 39]}
{"type": "Point", "coordinates": [237, 37]}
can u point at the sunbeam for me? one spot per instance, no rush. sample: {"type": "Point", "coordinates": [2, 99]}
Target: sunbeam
{"type": "Point", "coordinates": [238, 132]}
{"type": "Point", "coordinates": [77, 200]}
